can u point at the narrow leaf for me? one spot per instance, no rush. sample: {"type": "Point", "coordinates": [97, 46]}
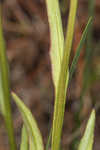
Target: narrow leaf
{"type": "Point", "coordinates": [5, 90]}
{"type": "Point", "coordinates": [89, 53]}
{"type": "Point", "coordinates": [2, 107]}
{"type": "Point", "coordinates": [87, 140]}
{"type": "Point", "coordinates": [24, 139]}
{"type": "Point", "coordinates": [30, 124]}
{"type": "Point", "coordinates": [56, 38]}
{"type": "Point", "coordinates": [49, 140]}
{"type": "Point", "coordinates": [79, 48]}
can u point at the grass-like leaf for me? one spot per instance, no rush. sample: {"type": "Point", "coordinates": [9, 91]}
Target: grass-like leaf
{"type": "Point", "coordinates": [60, 61]}
{"type": "Point", "coordinates": [49, 140]}
{"type": "Point", "coordinates": [89, 50]}
{"type": "Point", "coordinates": [79, 48]}
{"type": "Point", "coordinates": [30, 124]}
{"type": "Point", "coordinates": [87, 140]}
{"type": "Point", "coordinates": [24, 139]}
{"type": "Point", "coordinates": [5, 90]}
{"type": "Point", "coordinates": [56, 38]}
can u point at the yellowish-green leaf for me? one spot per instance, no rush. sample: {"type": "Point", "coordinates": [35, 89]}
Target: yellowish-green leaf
{"type": "Point", "coordinates": [56, 38]}
{"type": "Point", "coordinates": [87, 140]}
{"type": "Point", "coordinates": [30, 124]}
{"type": "Point", "coordinates": [24, 139]}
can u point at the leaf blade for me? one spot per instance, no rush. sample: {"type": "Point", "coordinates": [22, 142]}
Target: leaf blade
{"type": "Point", "coordinates": [87, 140]}
{"type": "Point", "coordinates": [30, 124]}
{"type": "Point", "coordinates": [24, 139]}
{"type": "Point", "coordinates": [76, 57]}
{"type": "Point", "coordinates": [56, 37]}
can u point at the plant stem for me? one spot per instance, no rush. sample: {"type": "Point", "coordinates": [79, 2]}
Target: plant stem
{"type": "Point", "coordinates": [6, 90]}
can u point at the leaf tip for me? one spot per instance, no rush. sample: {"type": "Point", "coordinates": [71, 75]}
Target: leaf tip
{"type": "Point", "coordinates": [93, 114]}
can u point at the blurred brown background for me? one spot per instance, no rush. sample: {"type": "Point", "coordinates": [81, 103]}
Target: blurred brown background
{"type": "Point", "coordinates": [26, 33]}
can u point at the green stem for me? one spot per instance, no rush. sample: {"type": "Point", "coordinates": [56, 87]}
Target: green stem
{"type": "Point", "coordinates": [6, 90]}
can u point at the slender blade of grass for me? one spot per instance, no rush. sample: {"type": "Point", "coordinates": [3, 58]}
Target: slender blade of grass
{"type": "Point", "coordinates": [24, 139]}
{"type": "Point", "coordinates": [5, 90]}
{"type": "Point", "coordinates": [49, 140]}
{"type": "Point", "coordinates": [30, 124]}
{"type": "Point", "coordinates": [2, 108]}
{"type": "Point", "coordinates": [79, 48]}
{"type": "Point", "coordinates": [87, 141]}
{"type": "Point", "coordinates": [89, 50]}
